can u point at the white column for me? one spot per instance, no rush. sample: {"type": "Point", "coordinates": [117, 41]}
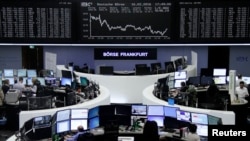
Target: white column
{"type": "Point", "coordinates": [231, 86]}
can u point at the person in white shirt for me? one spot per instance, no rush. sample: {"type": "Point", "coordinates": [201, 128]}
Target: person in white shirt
{"type": "Point", "coordinates": [241, 91]}
{"type": "Point", "coordinates": [192, 135]}
{"type": "Point", "coordinates": [239, 79]}
{"type": "Point", "coordinates": [19, 85]}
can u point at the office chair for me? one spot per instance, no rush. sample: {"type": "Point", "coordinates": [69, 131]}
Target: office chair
{"type": "Point", "coordinates": [12, 97]}
{"type": "Point", "coordinates": [86, 137]}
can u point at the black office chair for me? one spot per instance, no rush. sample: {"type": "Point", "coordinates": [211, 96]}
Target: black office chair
{"type": "Point", "coordinates": [86, 137]}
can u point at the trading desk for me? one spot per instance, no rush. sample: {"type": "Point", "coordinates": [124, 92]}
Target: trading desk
{"type": "Point", "coordinates": [102, 99]}
{"type": "Point", "coordinates": [228, 117]}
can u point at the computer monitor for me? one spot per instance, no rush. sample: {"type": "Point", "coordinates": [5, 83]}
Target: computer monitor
{"type": "Point", "coordinates": [42, 121]}
{"type": "Point", "coordinates": [177, 82]}
{"type": "Point", "coordinates": [206, 80]}
{"type": "Point", "coordinates": [183, 115]}
{"type": "Point", "coordinates": [31, 73]}
{"type": "Point", "coordinates": [74, 123]}
{"type": "Point", "coordinates": [170, 111]}
{"type": "Point", "coordinates": [199, 118]}
{"type": "Point", "coordinates": [66, 81]}
{"type": "Point", "coordinates": [29, 81]}
{"type": "Point", "coordinates": [79, 113]}
{"type": "Point", "coordinates": [246, 79]}
{"type": "Point", "coordinates": [126, 138]}
{"type": "Point", "coordinates": [155, 66]}
{"type": "Point", "coordinates": [108, 70]}
{"type": "Point", "coordinates": [171, 84]}
{"type": "Point", "coordinates": [159, 120]}
{"type": "Point", "coordinates": [140, 66]}
{"type": "Point", "coordinates": [202, 130]}
{"type": "Point", "coordinates": [155, 110]}
{"type": "Point", "coordinates": [219, 72]}
{"type": "Point", "coordinates": [139, 109]}
{"type": "Point", "coordinates": [66, 74]}
{"type": "Point", "coordinates": [93, 112]}
{"type": "Point", "coordinates": [41, 80]}
{"type": "Point", "coordinates": [21, 73]}
{"type": "Point", "coordinates": [84, 81]}
{"type": "Point", "coordinates": [11, 80]}
{"type": "Point", "coordinates": [63, 115]}
{"type": "Point", "coordinates": [220, 80]}
{"type": "Point", "coordinates": [107, 110]}
{"type": "Point", "coordinates": [123, 110]}
{"type": "Point", "coordinates": [62, 126]}
{"type": "Point", "coordinates": [195, 80]}
{"type": "Point", "coordinates": [8, 73]}
{"type": "Point", "coordinates": [50, 81]}
{"type": "Point", "coordinates": [94, 122]}
{"type": "Point", "coordinates": [180, 75]}
{"type": "Point", "coordinates": [213, 120]}
{"type": "Point", "coordinates": [141, 119]}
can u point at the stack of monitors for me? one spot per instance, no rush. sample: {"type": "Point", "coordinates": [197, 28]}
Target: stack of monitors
{"type": "Point", "coordinates": [156, 113]}
{"type": "Point", "coordinates": [138, 113]}
{"type": "Point", "coordinates": [201, 120]}
{"type": "Point", "coordinates": [220, 76]}
{"type": "Point", "coordinates": [93, 118]}
{"type": "Point", "coordinates": [63, 121]}
{"type": "Point", "coordinates": [79, 117]}
{"type": "Point", "coordinates": [179, 76]}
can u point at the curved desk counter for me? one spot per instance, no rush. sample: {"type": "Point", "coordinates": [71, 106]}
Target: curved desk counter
{"type": "Point", "coordinates": [102, 99]}
{"type": "Point", "coordinates": [126, 89]}
{"type": "Point", "coordinates": [228, 117]}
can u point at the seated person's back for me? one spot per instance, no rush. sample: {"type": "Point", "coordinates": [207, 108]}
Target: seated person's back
{"type": "Point", "coordinates": [192, 135]}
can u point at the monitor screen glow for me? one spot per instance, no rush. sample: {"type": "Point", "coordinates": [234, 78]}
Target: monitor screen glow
{"type": "Point", "coordinates": [63, 126]}
{"type": "Point", "coordinates": [159, 120]}
{"type": "Point", "coordinates": [29, 81]}
{"type": "Point", "coordinates": [183, 116]}
{"type": "Point", "coordinates": [11, 80]}
{"type": "Point", "coordinates": [180, 75]}
{"type": "Point", "coordinates": [93, 112]}
{"type": "Point", "coordinates": [31, 73]}
{"type": "Point", "coordinates": [155, 110]}
{"type": "Point", "coordinates": [79, 113]}
{"type": "Point", "coordinates": [63, 115]}
{"type": "Point", "coordinates": [50, 80]}
{"type": "Point", "coordinates": [21, 73]}
{"type": "Point", "coordinates": [246, 79]}
{"type": "Point", "coordinates": [66, 81]}
{"type": "Point", "coordinates": [202, 130]}
{"type": "Point", "coordinates": [220, 80]}
{"type": "Point", "coordinates": [94, 122]}
{"type": "Point", "coordinates": [219, 72]}
{"type": "Point", "coordinates": [84, 81]}
{"type": "Point", "coordinates": [8, 72]}
{"type": "Point", "coordinates": [41, 80]}
{"type": "Point", "coordinates": [170, 111]}
{"type": "Point", "coordinates": [42, 121]}
{"type": "Point", "coordinates": [177, 83]}
{"type": "Point", "coordinates": [76, 122]}
{"type": "Point", "coordinates": [139, 110]}
{"type": "Point", "coordinates": [199, 118]}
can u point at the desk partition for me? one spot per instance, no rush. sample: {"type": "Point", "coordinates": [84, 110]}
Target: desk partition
{"type": "Point", "coordinates": [228, 117]}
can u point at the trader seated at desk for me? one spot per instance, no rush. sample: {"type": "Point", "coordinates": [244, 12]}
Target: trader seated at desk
{"type": "Point", "coordinates": [75, 137]}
